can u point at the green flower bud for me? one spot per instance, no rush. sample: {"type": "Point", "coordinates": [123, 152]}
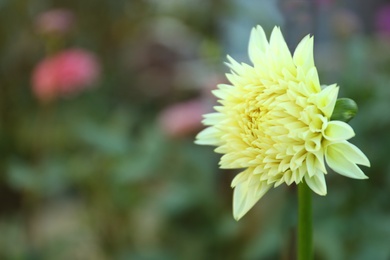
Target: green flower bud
{"type": "Point", "coordinates": [345, 109]}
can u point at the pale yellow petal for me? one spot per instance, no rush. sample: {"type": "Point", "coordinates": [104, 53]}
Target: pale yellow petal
{"type": "Point", "coordinates": [313, 142]}
{"type": "Point", "coordinates": [209, 136]}
{"type": "Point", "coordinates": [257, 44]}
{"type": "Point", "coordinates": [240, 178]}
{"type": "Point", "coordinates": [234, 65]}
{"type": "Point", "coordinates": [312, 165]}
{"type": "Point", "coordinates": [340, 162]}
{"type": "Point", "coordinates": [320, 162]}
{"type": "Point", "coordinates": [245, 197]}
{"type": "Point", "coordinates": [303, 55]}
{"type": "Point", "coordinates": [338, 131]}
{"type": "Point", "coordinates": [352, 153]}
{"type": "Point", "coordinates": [317, 183]}
{"type": "Point", "coordinates": [222, 94]}
{"type": "Point", "coordinates": [280, 48]}
{"type": "Point", "coordinates": [326, 99]}
{"type": "Point", "coordinates": [312, 81]}
{"type": "Point", "coordinates": [213, 118]}
{"type": "Point", "coordinates": [234, 160]}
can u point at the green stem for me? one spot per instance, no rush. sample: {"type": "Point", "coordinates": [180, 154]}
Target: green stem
{"type": "Point", "coordinates": [305, 230]}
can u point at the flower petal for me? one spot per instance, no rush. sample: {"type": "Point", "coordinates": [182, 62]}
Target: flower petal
{"type": "Point", "coordinates": [317, 183]}
{"type": "Point", "coordinates": [257, 44]}
{"type": "Point", "coordinates": [320, 163]}
{"type": "Point", "coordinates": [342, 159]}
{"type": "Point", "coordinates": [245, 196]}
{"type": "Point", "coordinates": [209, 136]}
{"type": "Point", "coordinates": [234, 65]}
{"type": "Point", "coordinates": [351, 152]}
{"type": "Point", "coordinates": [303, 55]}
{"type": "Point", "coordinates": [338, 131]}
{"type": "Point", "coordinates": [326, 99]}
{"type": "Point", "coordinates": [213, 118]}
{"type": "Point", "coordinates": [312, 81]}
{"type": "Point", "coordinates": [310, 164]}
{"type": "Point", "coordinates": [235, 160]}
{"type": "Point", "coordinates": [280, 48]}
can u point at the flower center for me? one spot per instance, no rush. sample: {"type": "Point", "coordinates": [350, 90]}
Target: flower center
{"type": "Point", "coordinates": [250, 120]}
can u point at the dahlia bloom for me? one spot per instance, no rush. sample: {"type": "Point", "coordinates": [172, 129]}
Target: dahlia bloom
{"type": "Point", "coordinates": [64, 73]}
{"type": "Point", "coordinates": [273, 122]}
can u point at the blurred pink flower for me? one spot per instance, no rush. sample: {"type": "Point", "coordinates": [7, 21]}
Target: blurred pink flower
{"type": "Point", "coordinates": [382, 20]}
{"type": "Point", "coordinates": [183, 118]}
{"type": "Point", "coordinates": [64, 73]}
{"type": "Point", "coordinates": [55, 21]}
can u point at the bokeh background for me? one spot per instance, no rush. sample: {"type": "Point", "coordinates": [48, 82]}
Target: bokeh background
{"type": "Point", "coordinates": [99, 105]}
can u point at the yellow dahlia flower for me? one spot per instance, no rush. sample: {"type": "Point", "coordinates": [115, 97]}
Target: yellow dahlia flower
{"type": "Point", "coordinates": [273, 122]}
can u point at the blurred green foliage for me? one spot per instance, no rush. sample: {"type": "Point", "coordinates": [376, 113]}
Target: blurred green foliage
{"type": "Point", "coordinates": [93, 176]}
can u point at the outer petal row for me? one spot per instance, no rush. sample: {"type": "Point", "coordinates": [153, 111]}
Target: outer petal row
{"type": "Point", "coordinates": [208, 136]}
{"type": "Point", "coordinates": [317, 183]}
{"type": "Point", "coordinates": [257, 44]}
{"type": "Point", "coordinates": [247, 191]}
{"type": "Point", "coordinates": [338, 131]}
{"type": "Point", "coordinates": [342, 158]}
{"type": "Point", "coordinates": [326, 99]}
{"type": "Point", "coordinates": [303, 55]}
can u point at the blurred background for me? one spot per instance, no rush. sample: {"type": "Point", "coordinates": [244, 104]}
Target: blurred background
{"type": "Point", "coordinates": [99, 105]}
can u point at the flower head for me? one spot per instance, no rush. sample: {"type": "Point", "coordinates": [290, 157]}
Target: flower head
{"type": "Point", "coordinates": [65, 73]}
{"type": "Point", "coordinates": [273, 122]}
